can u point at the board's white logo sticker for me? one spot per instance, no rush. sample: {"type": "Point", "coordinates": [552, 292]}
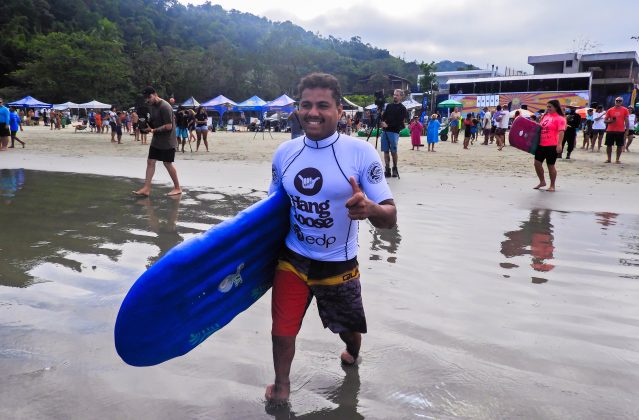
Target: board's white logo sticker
{"type": "Point", "coordinates": [231, 280]}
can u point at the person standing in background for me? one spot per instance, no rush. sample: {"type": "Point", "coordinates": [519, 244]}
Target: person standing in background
{"type": "Point", "coordinates": [5, 130]}
{"type": "Point", "coordinates": [553, 126]}
{"type": "Point", "coordinates": [617, 129]}
{"type": "Point", "coordinates": [487, 124]}
{"type": "Point", "coordinates": [573, 122]}
{"type": "Point", "coordinates": [15, 124]}
{"type": "Point", "coordinates": [432, 133]}
{"type": "Point", "coordinates": [632, 121]}
{"type": "Point", "coordinates": [416, 132]}
{"type": "Point", "coordinates": [598, 127]}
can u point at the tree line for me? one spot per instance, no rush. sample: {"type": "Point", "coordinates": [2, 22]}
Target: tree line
{"type": "Point", "coordinates": [78, 50]}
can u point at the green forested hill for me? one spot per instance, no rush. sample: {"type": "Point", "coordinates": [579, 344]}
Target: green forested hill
{"type": "Point", "coordinates": [77, 50]}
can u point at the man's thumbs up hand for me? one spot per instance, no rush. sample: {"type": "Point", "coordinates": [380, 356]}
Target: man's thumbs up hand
{"type": "Point", "coordinates": [358, 205]}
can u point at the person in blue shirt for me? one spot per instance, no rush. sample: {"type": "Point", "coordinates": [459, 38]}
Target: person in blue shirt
{"type": "Point", "coordinates": [432, 132]}
{"type": "Point", "coordinates": [15, 124]}
{"type": "Point", "coordinates": [4, 126]}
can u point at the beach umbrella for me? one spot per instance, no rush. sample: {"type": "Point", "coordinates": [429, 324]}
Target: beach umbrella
{"type": "Point", "coordinates": [582, 112]}
{"type": "Point", "coordinates": [94, 105]}
{"type": "Point", "coordinates": [449, 103]}
{"type": "Point", "coordinates": [522, 112]}
{"type": "Point", "coordinates": [191, 103]}
{"type": "Point", "coordinates": [29, 102]}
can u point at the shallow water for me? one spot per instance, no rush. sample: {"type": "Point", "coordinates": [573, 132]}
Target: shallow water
{"type": "Point", "coordinates": [473, 312]}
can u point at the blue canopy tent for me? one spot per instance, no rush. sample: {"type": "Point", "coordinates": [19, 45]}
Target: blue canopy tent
{"type": "Point", "coordinates": [221, 104]}
{"type": "Point", "coordinates": [29, 102]}
{"type": "Point", "coordinates": [254, 103]}
{"type": "Point", "coordinates": [283, 103]}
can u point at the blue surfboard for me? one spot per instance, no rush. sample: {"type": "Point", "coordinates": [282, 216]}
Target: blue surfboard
{"type": "Point", "coordinates": [202, 284]}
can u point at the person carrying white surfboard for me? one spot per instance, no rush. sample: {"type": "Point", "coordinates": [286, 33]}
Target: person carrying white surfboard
{"type": "Point", "coordinates": [333, 180]}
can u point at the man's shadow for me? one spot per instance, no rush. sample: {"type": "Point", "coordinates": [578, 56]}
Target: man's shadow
{"type": "Point", "coordinates": [166, 229]}
{"type": "Point", "coordinates": [345, 396]}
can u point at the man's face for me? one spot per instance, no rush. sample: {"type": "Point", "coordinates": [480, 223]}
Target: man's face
{"type": "Point", "coordinates": [151, 99]}
{"type": "Point", "coordinates": [618, 103]}
{"type": "Point", "coordinates": [319, 113]}
{"type": "Point", "coordinates": [397, 96]}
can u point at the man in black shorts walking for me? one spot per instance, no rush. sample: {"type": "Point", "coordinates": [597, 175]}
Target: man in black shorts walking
{"type": "Point", "coordinates": [163, 141]}
{"type": "Point", "coordinates": [617, 129]}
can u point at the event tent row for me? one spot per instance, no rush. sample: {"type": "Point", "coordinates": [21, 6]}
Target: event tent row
{"type": "Point", "coordinates": [222, 104]}
{"type": "Point", "coordinates": [31, 102]}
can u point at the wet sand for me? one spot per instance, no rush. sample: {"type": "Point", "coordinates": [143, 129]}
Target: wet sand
{"type": "Point", "coordinates": [489, 300]}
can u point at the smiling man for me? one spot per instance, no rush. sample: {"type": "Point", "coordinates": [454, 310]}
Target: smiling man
{"type": "Point", "coordinates": [333, 181]}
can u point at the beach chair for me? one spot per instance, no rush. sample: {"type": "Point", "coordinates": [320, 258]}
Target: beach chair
{"type": "Point", "coordinates": [80, 127]}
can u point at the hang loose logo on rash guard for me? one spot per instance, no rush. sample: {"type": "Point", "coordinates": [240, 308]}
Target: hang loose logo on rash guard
{"type": "Point", "coordinates": [308, 181]}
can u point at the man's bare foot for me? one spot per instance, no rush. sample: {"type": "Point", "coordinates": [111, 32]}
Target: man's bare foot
{"type": "Point", "coordinates": [348, 359]}
{"type": "Point", "coordinates": [551, 189]}
{"type": "Point", "coordinates": [607, 161]}
{"type": "Point", "coordinates": [277, 394]}
{"type": "Point", "coordinates": [141, 192]}
{"type": "Point", "coordinates": [617, 161]}
{"type": "Point", "coordinates": [174, 191]}
{"type": "Point", "coordinates": [541, 184]}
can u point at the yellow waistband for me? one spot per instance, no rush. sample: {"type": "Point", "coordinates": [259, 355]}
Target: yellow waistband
{"type": "Point", "coordinates": [328, 281]}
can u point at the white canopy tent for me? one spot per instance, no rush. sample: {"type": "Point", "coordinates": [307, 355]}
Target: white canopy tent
{"type": "Point", "coordinates": [66, 105]}
{"type": "Point", "coordinates": [94, 105]}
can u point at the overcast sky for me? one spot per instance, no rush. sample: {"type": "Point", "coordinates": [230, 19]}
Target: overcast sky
{"type": "Point", "coordinates": [485, 32]}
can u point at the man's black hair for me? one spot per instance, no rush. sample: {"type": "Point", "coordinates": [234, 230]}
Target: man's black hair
{"type": "Point", "coordinates": [322, 81]}
{"type": "Point", "coordinates": [148, 91]}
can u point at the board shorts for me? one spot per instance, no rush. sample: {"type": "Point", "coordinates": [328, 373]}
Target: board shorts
{"type": "Point", "coordinates": [163, 155]}
{"type": "Point", "coordinates": [389, 141]}
{"type": "Point", "coordinates": [182, 132]}
{"type": "Point", "coordinates": [547, 153]}
{"type": "Point", "coordinates": [597, 131]}
{"type": "Point", "coordinates": [500, 131]}
{"type": "Point", "coordinates": [334, 284]}
{"type": "Point", "coordinates": [615, 138]}
{"type": "Point", "coordinates": [4, 130]}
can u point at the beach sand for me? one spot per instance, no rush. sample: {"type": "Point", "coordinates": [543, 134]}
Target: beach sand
{"type": "Point", "coordinates": [464, 320]}
{"type": "Point", "coordinates": [251, 148]}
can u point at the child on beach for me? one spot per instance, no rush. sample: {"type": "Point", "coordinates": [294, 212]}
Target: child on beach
{"type": "Point", "coordinates": [416, 132]}
{"type": "Point", "coordinates": [143, 126]}
{"type": "Point", "coordinates": [432, 132]}
{"type": "Point", "coordinates": [468, 123]}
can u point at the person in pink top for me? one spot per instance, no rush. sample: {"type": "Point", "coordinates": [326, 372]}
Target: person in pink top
{"type": "Point", "coordinates": [416, 133]}
{"type": "Point", "coordinates": [553, 126]}
{"type": "Point", "coordinates": [617, 129]}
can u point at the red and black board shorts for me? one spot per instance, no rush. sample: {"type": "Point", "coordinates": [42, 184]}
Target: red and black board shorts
{"type": "Point", "coordinates": [334, 284]}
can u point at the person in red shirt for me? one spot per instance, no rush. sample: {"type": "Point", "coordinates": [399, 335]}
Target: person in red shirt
{"type": "Point", "coordinates": [617, 129]}
{"type": "Point", "coordinates": [553, 126]}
